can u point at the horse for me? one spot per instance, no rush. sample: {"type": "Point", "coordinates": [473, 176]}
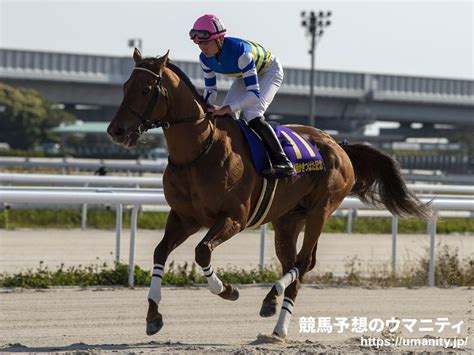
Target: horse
{"type": "Point", "coordinates": [210, 182]}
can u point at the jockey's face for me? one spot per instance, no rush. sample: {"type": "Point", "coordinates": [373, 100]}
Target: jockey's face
{"type": "Point", "coordinates": [209, 48]}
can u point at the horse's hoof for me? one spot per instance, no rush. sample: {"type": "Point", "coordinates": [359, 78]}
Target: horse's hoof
{"type": "Point", "coordinates": [230, 293]}
{"type": "Point", "coordinates": [278, 338]}
{"type": "Point", "coordinates": [154, 326]}
{"type": "Point", "coordinates": [268, 309]}
{"type": "Point", "coordinates": [269, 338]}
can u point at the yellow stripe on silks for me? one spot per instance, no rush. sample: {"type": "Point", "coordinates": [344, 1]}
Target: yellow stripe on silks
{"type": "Point", "coordinates": [262, 56]}
{"type": "Point", "coordinates": [269, 205]}
{"type": "Point", "coordinates": [306, 145]}
{"type": "Point", "coordinates": [258, 54]}
{"type": "Point", "coordinates": [266, 60]}
{"type": "Point", "coordinates": [295, 147]}
{"type": "Point", "coordinates": [254, 50]}
{"type": "Point", "coordinates": [255, 53]}
{"type": "Point", "coordinates": [266, 64]}
{"type": "Point", "coordinates": [269, 55]}
{"type": "Point", "coordinates": [233, 74]}
{"type": "Point", "coordinates": [259, 202]}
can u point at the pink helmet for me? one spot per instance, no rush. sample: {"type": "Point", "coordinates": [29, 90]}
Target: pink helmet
{"type": "Point", "coordinates": [206, 28]}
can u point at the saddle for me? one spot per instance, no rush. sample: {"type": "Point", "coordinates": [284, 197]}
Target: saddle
{"type": "Point", "coordinates": [304, 156]}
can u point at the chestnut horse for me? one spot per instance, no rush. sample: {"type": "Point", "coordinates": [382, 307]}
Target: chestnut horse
{"type": "Point", "coordinates": [211, 182]}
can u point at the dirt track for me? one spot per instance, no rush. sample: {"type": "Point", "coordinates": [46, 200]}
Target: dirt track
{"type": "Point", "coordinates": [112, 320]}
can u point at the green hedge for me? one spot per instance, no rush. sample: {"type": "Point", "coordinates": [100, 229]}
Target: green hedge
{"type": "Point", "coordinates": [449, 271]}
{"type": "Point", "coordinates": [105, 219]}
{"type": "Point", "coordinates": [104, 275]}
{"type": "Point", "coordinates": [71, 218]}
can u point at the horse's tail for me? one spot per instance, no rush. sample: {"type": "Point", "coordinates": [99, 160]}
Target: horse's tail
{"type": "Point", "coordinates": [378, 180]}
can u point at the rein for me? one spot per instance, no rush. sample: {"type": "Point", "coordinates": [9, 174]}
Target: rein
{"type": "Point", "coordinates": [146, 123]}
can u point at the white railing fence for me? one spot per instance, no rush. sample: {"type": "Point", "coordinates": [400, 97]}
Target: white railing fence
{"type": "Point", "coordinates": [156, 182]}
{"type": "Point", "coordinates": [81, 180]}
{"type": "Point", "coordinates": [137, 199]}
{"type": "Point", "coordinates": [68, 164]}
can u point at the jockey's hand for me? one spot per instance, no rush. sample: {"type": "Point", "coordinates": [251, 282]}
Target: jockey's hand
{"type": "Point", "coordinates": [220, 111]}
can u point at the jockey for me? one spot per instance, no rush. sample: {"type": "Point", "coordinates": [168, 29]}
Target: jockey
{"type": "Point", "coordinates": [258, 77]}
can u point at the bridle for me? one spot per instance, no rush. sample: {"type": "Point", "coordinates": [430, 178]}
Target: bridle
{"type": "Point", "coordinates": [145, 119]}
{"type": "Point", "coordinates": [146, 122]}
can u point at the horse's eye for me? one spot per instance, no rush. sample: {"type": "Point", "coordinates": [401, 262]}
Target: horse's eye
{"type": "Point", "coordinates": [146, 90]}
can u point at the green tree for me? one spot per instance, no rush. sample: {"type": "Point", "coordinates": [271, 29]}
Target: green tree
{"type": "Point", "coordinates": [26, 117]}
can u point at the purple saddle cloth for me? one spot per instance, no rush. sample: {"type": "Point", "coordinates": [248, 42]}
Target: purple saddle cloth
{"type": "Point", "coordinates": [304, 156]}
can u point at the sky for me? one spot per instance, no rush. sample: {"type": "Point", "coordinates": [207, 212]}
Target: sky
{"type": "Point", "coordinates": [422, 38]}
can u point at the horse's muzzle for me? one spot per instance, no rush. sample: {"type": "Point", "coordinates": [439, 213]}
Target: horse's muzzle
{"type": "Point", "coordinates": [121, 136]}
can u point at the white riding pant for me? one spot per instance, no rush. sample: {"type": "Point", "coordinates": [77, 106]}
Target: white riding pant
{"type": "Point", "coordinates": [269, 83]}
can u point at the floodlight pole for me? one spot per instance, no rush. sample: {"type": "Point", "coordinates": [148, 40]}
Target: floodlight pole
{"type": "Point", "coordinates": [311, 77]}
{"type": "Point", "coordinates": [315, 28]}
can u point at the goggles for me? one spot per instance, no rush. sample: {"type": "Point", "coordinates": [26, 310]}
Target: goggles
{"type": "Point", "coordinates": [202, 34]}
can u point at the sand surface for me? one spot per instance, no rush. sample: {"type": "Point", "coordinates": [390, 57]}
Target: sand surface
{"type": "Point", "coordinates": [112, 320]}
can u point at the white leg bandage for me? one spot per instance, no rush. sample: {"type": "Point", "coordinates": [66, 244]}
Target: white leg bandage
{"type": "Point", "coordinates": [281, 328]}
{"type": "Point", "coordinates": [155, 287]}
{"type": "Point", "coordinates": [215, 284]}
{"type": "Point", "coordinates": [286, 280]}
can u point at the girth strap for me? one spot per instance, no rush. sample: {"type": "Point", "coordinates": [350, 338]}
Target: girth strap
{"type": "Point", "coordinates": [264, 202]}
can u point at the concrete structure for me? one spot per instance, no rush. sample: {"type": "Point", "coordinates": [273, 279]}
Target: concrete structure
{"type": "Point", "coordinates": [90, 86]}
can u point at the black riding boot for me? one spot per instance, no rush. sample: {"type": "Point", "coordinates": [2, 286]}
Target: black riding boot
{"type": "Point", "coordinates": [281, 165]}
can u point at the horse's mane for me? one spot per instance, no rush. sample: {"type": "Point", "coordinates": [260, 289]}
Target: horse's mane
{"type": "Point", "coordinates": [175, 69]}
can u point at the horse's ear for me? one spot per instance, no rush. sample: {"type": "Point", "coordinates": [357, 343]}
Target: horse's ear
{"type": "Point", "coordinates": [137, 56]}
{"type": "Point", "coordinates": [164, 60]}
